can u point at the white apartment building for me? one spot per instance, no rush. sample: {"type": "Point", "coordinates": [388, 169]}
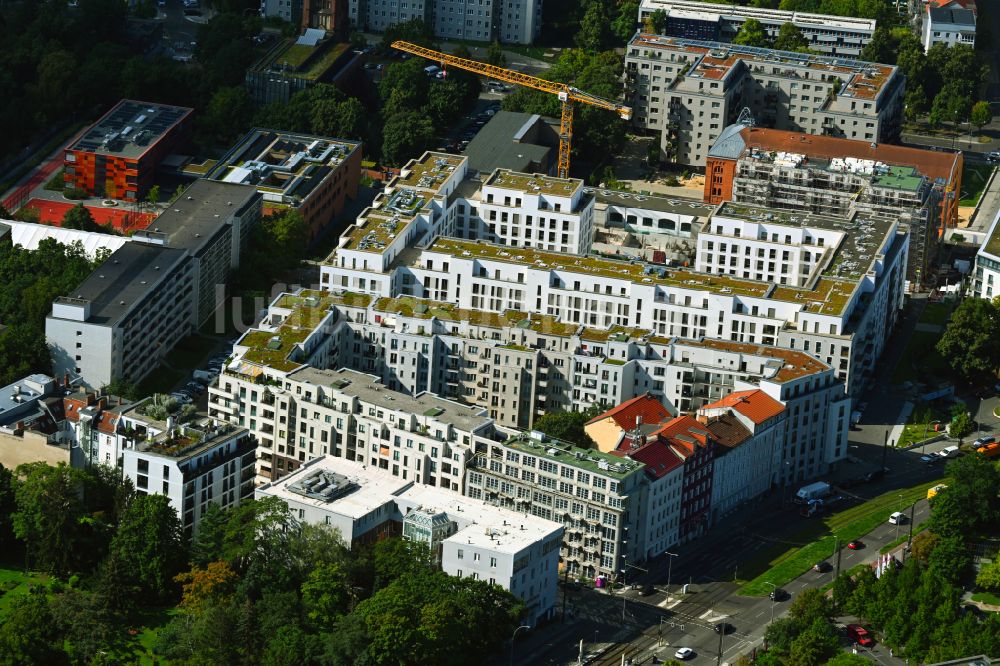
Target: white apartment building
{"type": "Point", "coordinates": [467, 537]}
{"type": "Point", "coordinates": [528, 210]}
{"type": "Point", "coordinates": [197, 464]}
{"type": "Point", "coordinates": [687, 91]}
{"type": "Point", "coordinates": [433, 196]}
{"type": "Point", "coordinates": [948, 25]}
{"type": "Point", "coordinates": [986, 279]}
{"type": "Point", "coordinates": [750, 430]}
{"type": "Point", "coordinates": [511, 23]}
{"type": "Point", "coordinates": [655, 228]}
{"type": "Point", "coordinates": [152, 292]}
{"type": "Point", "coordinates": [842, 36]}
{"type": "Point", "coordinates": [125, 317]}
{"type": "Point", "coordinates": [598, 496]}
{"type": "Point", "coordinates": [298, 412]}
{"type": "Point", "coordinates": [847, 307]}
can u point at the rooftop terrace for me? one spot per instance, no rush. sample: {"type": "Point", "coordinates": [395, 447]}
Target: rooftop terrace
{"type": "Point", "coordinates": [308, 309]}
{"type": "Point", "coordinates": [426, 309]}
{"type": "Point", "coordinates": [864, 237]}
{"type": "Point", "coordinates": [374, 230]}
{"type": "Point", "coordinates": [714, 60]}
{"type": "Point", "coordinates": [611, 268]}
{"type": "Point", "coordinates": [189, 440]}
{"type": "Point", "coordinates": [794, 364]}
{"type": "Point", "coordinates": [590, 460]}
{"type": "Point", "coordinates": [534, 183]}
{"type": "Point", "coordinates": [302, 60]}
{"type": "Point", "coordinates": [429, 171]}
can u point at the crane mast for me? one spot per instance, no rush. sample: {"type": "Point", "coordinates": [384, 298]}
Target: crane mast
{"type": "Point", "coordinates": [567, 94]}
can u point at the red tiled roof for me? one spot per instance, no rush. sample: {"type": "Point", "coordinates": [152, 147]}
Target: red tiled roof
{"type": "Point", "coordinates": [754, 404]}
{"type": "Point", "coordinates": [931, 163]}
{"type": "Point", "coordinates": [646, 406]}
{"type": "Point", "coordinates": [727, 431]}
{"type": "Point", "coordinates": [659, 458]}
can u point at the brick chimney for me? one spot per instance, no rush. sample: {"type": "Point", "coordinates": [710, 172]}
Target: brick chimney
{"type": "Point", "coordinates": [101, 402]}
{"type": "Point", "coordinates": [66, 380]}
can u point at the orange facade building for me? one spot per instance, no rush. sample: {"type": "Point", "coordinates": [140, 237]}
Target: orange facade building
{"type": "Point", "coordinates": [117, 156]}
{"type": "Point", "coordinates": [839, 177]}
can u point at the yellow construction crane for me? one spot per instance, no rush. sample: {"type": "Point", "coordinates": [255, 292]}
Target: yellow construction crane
{"type": "Point", "coordinates": [567, 94]}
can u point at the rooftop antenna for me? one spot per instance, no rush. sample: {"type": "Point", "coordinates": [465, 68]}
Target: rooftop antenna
{"type": "Point", "coordinates": [745, 117]}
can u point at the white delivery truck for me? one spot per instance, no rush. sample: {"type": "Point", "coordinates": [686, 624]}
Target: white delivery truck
{"type": "Point", "coordinates": [817, 490]}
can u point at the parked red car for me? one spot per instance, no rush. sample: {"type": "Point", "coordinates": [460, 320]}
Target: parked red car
{"type": "Point", "coordinates": [855, 545]}
{"type": "Point", "coordinates": [860, 635]}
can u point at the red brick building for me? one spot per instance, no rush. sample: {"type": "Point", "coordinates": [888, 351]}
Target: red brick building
{"type": "Point", "coordinates": [117, 156]}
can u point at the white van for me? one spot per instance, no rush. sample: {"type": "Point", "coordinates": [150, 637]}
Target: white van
{"type": "Point", "coordinates": [949, 452]}
{"type": "Point", "coordinates": [897, 518]}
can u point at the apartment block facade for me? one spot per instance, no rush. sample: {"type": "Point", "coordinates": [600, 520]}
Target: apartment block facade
{"type": "Point", "coordinates": [841, 178]}
{"type": "Point", "coordinates": [117, 156]}
{"type": "Point", "coordinates": [688, 91]}
{"type": "Point", "coordinates": [466, 537]}
{"type": "Point", "coordinates": [842, 36]}
{"type": "Point", "coordinates": [517, 22]}
{"type": "Point", "coordinates": [847, 305]}
{"type": "Point", "coordinates": [125, 317]}
{"type": "Point", "coordinates": [986, 277]}
{"type": "Point", "coordinates": [312, 174]}
{"type": "Point", "coordinates": [195, 465]}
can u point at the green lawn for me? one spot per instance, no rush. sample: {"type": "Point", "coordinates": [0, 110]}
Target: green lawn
{"type": "Point", "coordinates": [153, 621]}
{"type": "Point", "coordinates": [920, 359]}
{"type": "Point", "coordinates": [987, 598]}
{"type": "Point", "coordinates": [974, 177]}
{"type": "Point", "coordinates": [14, 583]}
{"type": "Point", "coordinates": [936, 313]}
{"type": "Point", "coordinates": [784, 563]}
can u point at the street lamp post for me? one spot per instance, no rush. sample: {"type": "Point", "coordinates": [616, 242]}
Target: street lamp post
{"type": "Point", "coordinates": [774, 589]}
{"type": "Point", "coordinates": [899, 505]}
{"type": "Point", "coordinates": [512, 637]}
{"type": "Point", "coordinates": [670, 566]}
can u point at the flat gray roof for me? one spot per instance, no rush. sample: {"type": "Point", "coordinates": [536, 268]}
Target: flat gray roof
{"type": "Point", "coordinates": [663, 204]}
{"type": "Point", "coordinates": [128, 276]}
{"type": "Point", "coordinates": [361, 385]}
{"type": "Point", "coordinates": [495, 145]}
{"type": "Point", "coordinates": [199, 213]}
{"type": "Point", "coordinates": [130, 128]}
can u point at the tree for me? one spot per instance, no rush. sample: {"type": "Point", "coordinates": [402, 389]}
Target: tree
{"type": "Point", "coordinates": [79, 217]}
{"type": "Point", "coordinates": [923, 545]}
{"type": "Point", "coordinates": [396, 558]}
{"type": "Point", "coordinates": [28, 635]}
{"type": "Point", "coordinates": [814, 645]}
{"type": "Point", "coordinates": [808, 606]}
{"type": "Point", "coordinates": [988, 577]}
{"type": "Point", "coordinates": [325, 595]}
{"type": "Point", "coordinates": [981, 114]}
{"type": "Point", "coordinates": [961, 425]}
{"type": "Point", "coordinates": [624, 24]}
{"type": "Point", "coordinates": [215, 584]}
{"type": "Point", "coordinates": [207, 544]}
{"type": "Point", "coordinates": [968, 343]}
{"type": "Point", "coordinates": [751, 33]}
{"type": "Point", "coordinates": [149, 544]}
{"type": "Point", "coordinates": [495, 56]}
{"type": "Point", "coordinates": [848, 659]}
{"type": "Point", "coordinates": [595, 27]}
{"type": "Point", "coordinates": [915, 102]}
{"type": "Point", "coordinates": [153, 195]}
{"type": "Point", "coordinates": [790, 38]}
{"type": "Point", "coordinates": [227, 116]}
{"type": "Point", "coordinates": [49, 515]}
{"type": "Point", "coordinates": [567, 426]}
{"type": "Point", "coordinates": [415, 31]}
{"type": "Point", "coordinates": [880, 48]}
{"type": "Point", "coordinates": [405, 135]}
{"type": "Point", "coordinates": [444, 103]}
{"type": "Point", "coordinates": [8, 504]}
{"type": "Point", "coordinates": [658, 19]}
{"type": "Point", "coordinates": [950, 560]}
{"type": "Point", "coordinates": [781, 633]}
